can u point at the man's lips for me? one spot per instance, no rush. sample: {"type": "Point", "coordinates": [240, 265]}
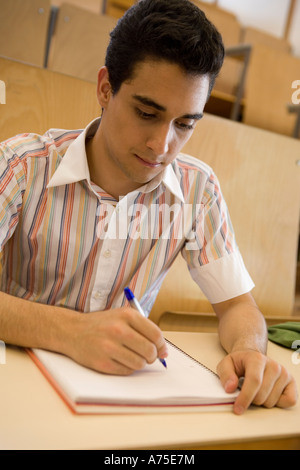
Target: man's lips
{"type": "Point", "coordinates": [148, 163]}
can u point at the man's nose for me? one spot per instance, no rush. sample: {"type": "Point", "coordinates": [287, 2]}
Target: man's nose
{"type": "Point", "coordinates": [160, 140]}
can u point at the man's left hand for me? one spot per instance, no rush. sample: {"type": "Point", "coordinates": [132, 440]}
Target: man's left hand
{"type": "Point", "coordinates": [266, 383]}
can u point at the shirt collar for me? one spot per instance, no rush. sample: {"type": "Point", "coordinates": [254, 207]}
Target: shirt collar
{"type": "Point", "coordinates": [74, 167]}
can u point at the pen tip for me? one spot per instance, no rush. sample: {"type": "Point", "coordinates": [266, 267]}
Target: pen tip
{"type": "Point", "coordinates": [163, 363]}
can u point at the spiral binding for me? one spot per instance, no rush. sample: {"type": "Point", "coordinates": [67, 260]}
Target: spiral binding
{"type": "Point", "coordinates": [191, 357]}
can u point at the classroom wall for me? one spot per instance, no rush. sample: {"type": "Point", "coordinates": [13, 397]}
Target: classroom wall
{"type": "Point", "coordinates": [268, 15]}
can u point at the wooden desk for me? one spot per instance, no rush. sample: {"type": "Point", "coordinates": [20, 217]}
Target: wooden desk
{"type": "Point", "coordinates": [33, 416]}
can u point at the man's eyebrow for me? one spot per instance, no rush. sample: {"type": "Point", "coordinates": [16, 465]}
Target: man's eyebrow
{"type": "Point", "coordinates": [196, 116]}
{"type": "Point", "coordinates": [149, 102]}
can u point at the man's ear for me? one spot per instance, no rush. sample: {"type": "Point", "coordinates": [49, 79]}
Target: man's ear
{"type": "Point", "coordinates": [103, 87]}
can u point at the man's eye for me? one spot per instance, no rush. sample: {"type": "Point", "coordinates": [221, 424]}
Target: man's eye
{"type": "Point", "coordinates": [185, 127]}
{"type": "Point", "coordinates": [144, 115]}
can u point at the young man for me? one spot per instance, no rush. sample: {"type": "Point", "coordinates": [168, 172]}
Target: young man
{"type": "Point", "coordinates": [85, 214]}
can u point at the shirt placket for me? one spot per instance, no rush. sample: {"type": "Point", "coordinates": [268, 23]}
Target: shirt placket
{"type": "Point", "coordinates": [111, 249]}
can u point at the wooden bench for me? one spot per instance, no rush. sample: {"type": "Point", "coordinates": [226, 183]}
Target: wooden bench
{"type": "Point", "coordinates": [78, 46]}
{"type": "Point", "coordinates": [38, 99]}
{"type": "Point", "coordinates": [269, 91]}
{"type": "Point", "coordinates": [24, 29]}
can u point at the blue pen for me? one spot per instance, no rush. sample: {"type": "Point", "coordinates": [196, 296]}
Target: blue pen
{"type": "Point", "coordinates": [136, 305]}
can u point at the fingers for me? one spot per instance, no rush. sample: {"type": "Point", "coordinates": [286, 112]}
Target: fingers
{"type": "Point", "coordinates": [135, 344]}
{"type": "Point", "coordinates": [146, 337]}
{"type": "Point", "coordinates": [266, 383]}
{"type": "Point", "coordinates": [253, 382]}
{"type": "Point", "coordinates": [283, 394]}
{"type": "Point", "coordinates": [118, 342]}
{"type": "Point", "coordinates": [228, 375]}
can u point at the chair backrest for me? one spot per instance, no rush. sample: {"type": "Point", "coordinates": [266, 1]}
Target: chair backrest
{"type": "Point", "coordinates": [24, 29]}
{"type": "Point", "coordinates": [260, 181]}
{"type": "Point", "coordinates": [228, 81]}
{"type": "Point", "coordinates": [255, 36]}
{"type": "Point", "coordinates": [38, 99]}
{"type": "Point", "coordinates": [225, 21]}
{"type": "Point", "coordinates": [270, 76]}
{"type": "Point", "coordinates": [78, 46]}
{"type": "Point", "coordinates": [96, 6]}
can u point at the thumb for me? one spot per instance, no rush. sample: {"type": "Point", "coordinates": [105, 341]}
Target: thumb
{"type": "Point", "coordinates": [227, 374]}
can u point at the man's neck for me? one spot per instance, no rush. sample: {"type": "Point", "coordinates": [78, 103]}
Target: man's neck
{"type": "Point", "coordinates": [100, 172]}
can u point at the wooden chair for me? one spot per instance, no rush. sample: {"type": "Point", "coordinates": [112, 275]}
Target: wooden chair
{"type": "Point", "coordinates": [260, 180]}
{"type": "Point", "coordinates": [24, 29]}
{"type": "Point", "coordinates": [255, 36]}
{"type": "Point", "coordinates": [226, 89]}
{"type": "Point", "coordinates": [269, 90]}
{"type": "Point", "coordinates": [79, 44]}
{"type": "Point", "coordinates": [225, 21]}
{"type": "Point", "coordinates": [38, 99]}
{"type": "Point", "coordinates": [250, 37]}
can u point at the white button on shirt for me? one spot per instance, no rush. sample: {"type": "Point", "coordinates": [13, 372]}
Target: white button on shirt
{"type": "Point", "coordinates": [97, 295]}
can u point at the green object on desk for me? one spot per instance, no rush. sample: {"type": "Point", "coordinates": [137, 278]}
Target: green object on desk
{"type": "Point", "coordinates": [284, 334]}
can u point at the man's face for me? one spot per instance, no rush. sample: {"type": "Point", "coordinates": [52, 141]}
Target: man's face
{"type": "Point", "coordinates": [148, 121]}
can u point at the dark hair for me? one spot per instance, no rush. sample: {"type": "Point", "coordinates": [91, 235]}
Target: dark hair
{"type": "Point", "coordinates": [173, 30]}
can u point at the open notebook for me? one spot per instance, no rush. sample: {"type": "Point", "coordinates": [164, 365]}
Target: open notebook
{"type": "Point", "coordinates": [184, 385]}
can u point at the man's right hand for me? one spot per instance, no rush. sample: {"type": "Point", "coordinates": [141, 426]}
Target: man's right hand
{"type": "Point", "coordinates": [117, 341]}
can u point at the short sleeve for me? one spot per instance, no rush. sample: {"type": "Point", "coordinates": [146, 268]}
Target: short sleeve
{"type": "Point", "coordinates": [12, 177]}
{"type": "Point", "coordinates": [211, 252]}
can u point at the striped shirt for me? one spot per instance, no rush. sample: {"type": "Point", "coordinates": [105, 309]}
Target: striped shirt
{"type": "Point", "coordinates": [66, 242]}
